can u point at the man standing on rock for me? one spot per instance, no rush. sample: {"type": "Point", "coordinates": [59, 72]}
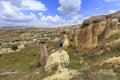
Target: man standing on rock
{"type": "Point", "coordinates": [60, 46]}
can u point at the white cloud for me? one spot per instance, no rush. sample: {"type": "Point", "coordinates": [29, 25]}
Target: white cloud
{"type": "Point", "coordinates": [16, 3]}
{"type": "Point", "coordinates": [12, 14]}
{"type": "Point", "coordinates": [8, 7]}
{"type": "Point", "coordinates": [40, 14]}
{"type": "Point", "coordinates": [17, 19]}
{"type": "Point", "coordinates": [51, 21]}
{"type": "Point", "coordinates": [69, 6]}
{"type": "Point", "coordinates": [96, 9]}
{"type": "Point", "coordinates": [33, 5]}
{"type": "Point", "coordinates": [55, 21]}
{"type": "Point", "coordinates": [112, 11]}
{"type": "Point", "coordinates": [51, 18]}
{"type": "Point", "coordinates": [116, 2]}
{"type": "Point", "coordinates": [112, 0]}
{"type": "Point", "coordinates": [24, 5]}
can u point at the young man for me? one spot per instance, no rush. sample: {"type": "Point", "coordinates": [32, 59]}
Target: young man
{"type": "Point", "coordinates": [60, 46]}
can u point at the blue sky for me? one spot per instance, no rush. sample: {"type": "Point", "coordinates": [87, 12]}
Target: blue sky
{"type": "Point", "coordinates": [52, 13]}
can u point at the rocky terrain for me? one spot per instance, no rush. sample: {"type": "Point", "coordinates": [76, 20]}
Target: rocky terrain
{"type": "Point", "coordinates": [91, 51]}
{"type": "Point", "coordinates": [96, 28]}
{"type": "Point", "coordinates": [22, 37]}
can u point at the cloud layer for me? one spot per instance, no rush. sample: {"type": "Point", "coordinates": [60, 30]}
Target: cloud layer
{"type": "Point", "coordinates": [117, 2]}
{"type": "Point", "coordinates": [13, 13]}
{"type": "Point", "coordinates": [70, 8]}
{"type": "Point", "coordinates": [112, 0]}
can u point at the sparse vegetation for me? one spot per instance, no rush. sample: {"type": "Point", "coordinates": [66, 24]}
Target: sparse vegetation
{"type": "Point", "coordinates": [87, 62]}
{"type": "Point", "coordinates": [14, 47]}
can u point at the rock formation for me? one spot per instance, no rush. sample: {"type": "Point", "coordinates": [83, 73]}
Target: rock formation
{"type": "Point", "coordinates": [57, 60]}
{"type": "Point", "coordinates": [43, 53]}
{"type": "Point", "coordinates": [112, 61]}
{"type": "Point", "coordinates": [75, 35]}
{"type": "Point", "coordinates": [65, 39]}
{"type": "Point", "coordinates": [97, 28]}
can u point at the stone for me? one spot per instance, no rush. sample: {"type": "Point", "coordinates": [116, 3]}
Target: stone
{"type": "Point", "coordinates": [6, 50]}
{"type": "Point", "coordinates": [94, 29]}
{"type": "Point", "coordinates": [43, 53]}
{"type": "Point", "coordinates": [75, 36]}
{"type": "Point", "coordinates": [64, 38]}
{"type": "Point", "coordinates": [55, 60]}
{"type": "Point", "coordinates": [65, 41]}
{"type": "Point", "coordinates": [21, 46]}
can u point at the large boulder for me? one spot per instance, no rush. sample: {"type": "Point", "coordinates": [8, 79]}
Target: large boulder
{"type": "Point", "coordinates": [65, 41]}
{"type": "Point", "coordinates": [57, 60]}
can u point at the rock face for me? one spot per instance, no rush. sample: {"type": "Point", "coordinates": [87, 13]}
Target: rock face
{"type": "Point", "coordinates": [56, 59]}
{"type": "Point", "coordinates": [97, 28]}
{"type": "Point", "coordinates": [65, 39]}
{"type": "Point", "coordinates": [75, 35]}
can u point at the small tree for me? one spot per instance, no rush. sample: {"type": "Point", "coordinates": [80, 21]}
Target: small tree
{"type": "Point", "coordinates": [14, 47]}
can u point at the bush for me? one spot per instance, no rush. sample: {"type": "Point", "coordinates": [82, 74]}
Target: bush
{"type": "Point", "coordinates": [14, 47]}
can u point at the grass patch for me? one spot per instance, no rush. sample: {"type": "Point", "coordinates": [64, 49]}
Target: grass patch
{"type": "Point", "coordinates": [18, 60]}
{"type": "Point", "coordinates": [43, 73]}
{"type": "Point", "coordinates": [10, 37]}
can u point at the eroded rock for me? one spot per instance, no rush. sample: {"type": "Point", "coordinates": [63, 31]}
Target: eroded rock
{"type": "Point", "coordinates": [57, 60]}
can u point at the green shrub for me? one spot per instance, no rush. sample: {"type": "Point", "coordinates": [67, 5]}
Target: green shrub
{"type": "Point", "coordinates": [117, 69]}
{"type": "Point", "coordinates": [14, 47]}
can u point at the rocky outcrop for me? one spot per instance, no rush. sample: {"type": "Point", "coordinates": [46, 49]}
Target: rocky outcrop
{"type": "Point", "coordinates": [75, 36]}
{"type": "Point", "coordinates": [114, 60]}
{"type": "Point", "coordinates": [43, 53]}
{"type": "Point", "coordinates": [65, 39]}
{"type": "Point", "coordinates": [97, 28]}
{"type": "Point", "coordinates": [57, 60]}
{"type": "Point", "coordinates": [66, 74]}
{"type": "Point", "coordinates": [111, 28]}
{"type": "Point", "coordinates": [6, 50]}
